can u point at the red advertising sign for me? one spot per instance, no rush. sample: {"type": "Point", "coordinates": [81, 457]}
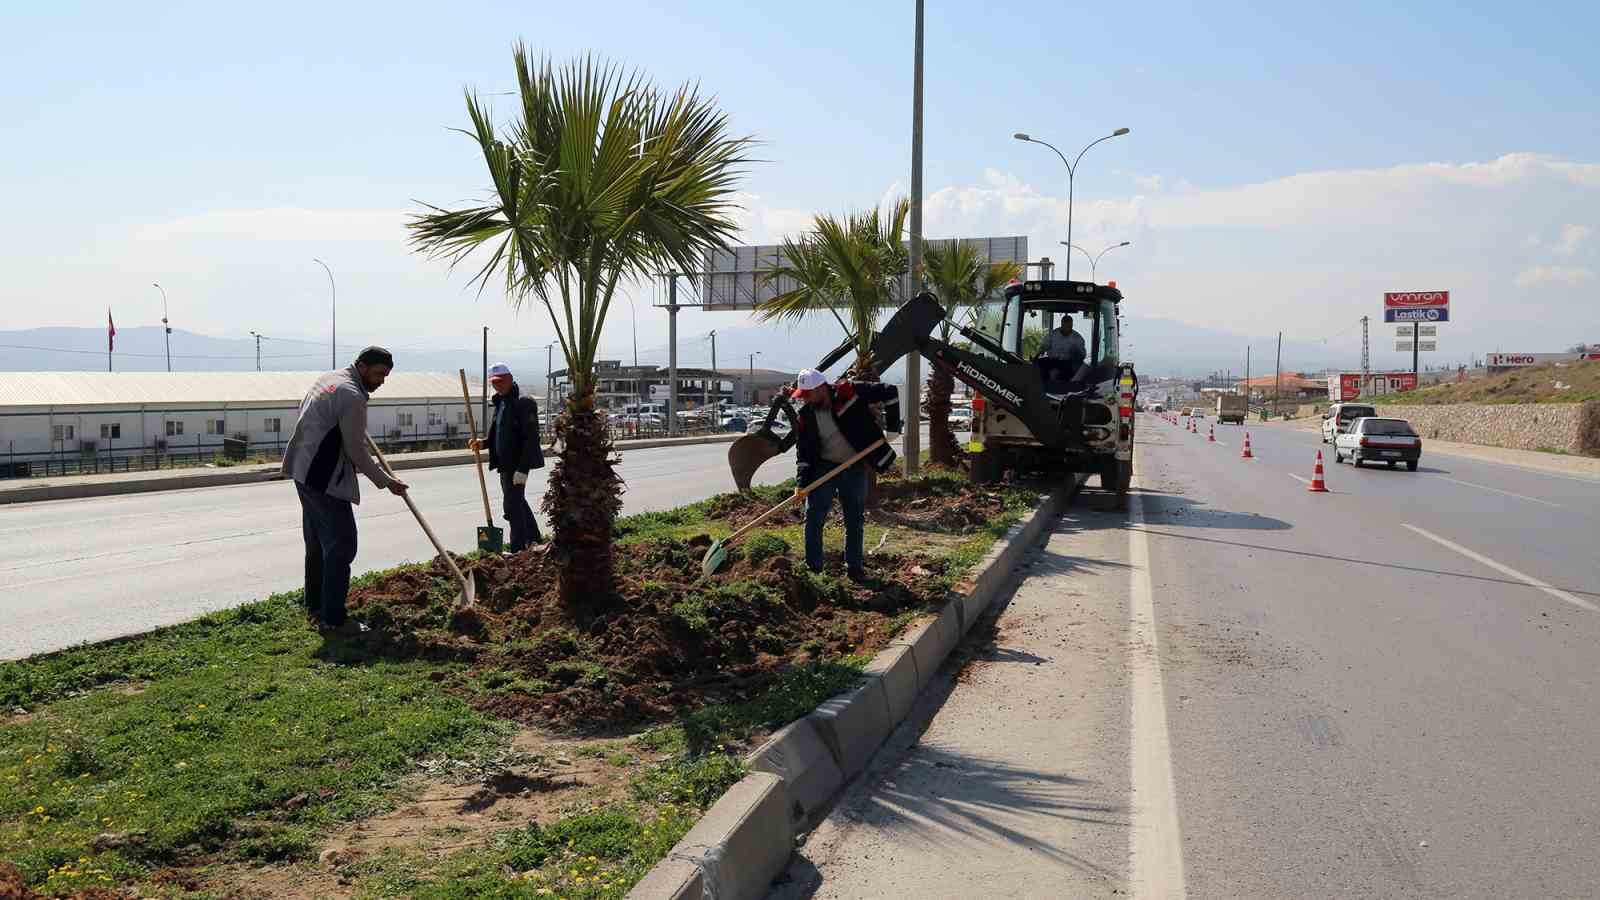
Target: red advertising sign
{"type": "Point", "coordinates": [1349, 386]}
{"type": "Point", "coordinates": [1416, 299]}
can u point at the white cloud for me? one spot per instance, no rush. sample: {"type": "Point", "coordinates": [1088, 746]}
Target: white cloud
{"type": "Point", "coordinates": [1570, 276]}
{"type": "Point", "coordinates": [1573, 237]}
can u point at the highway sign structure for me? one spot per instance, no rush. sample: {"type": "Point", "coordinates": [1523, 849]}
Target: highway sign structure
{"type": "Point", "coordinates": [1426, 346]}
{"type": "Point", "coordinates": [736, 278]}
{"type": "Point", "coordinates": [1405, 331]}
{"type": "Point", "coordinates": [1416, 307]}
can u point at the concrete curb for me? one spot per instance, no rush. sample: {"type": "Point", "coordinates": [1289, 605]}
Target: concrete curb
{"type": "Point", "coordinates": [738, 853]}
{"type": "Point", "coordinates": [21, 491]}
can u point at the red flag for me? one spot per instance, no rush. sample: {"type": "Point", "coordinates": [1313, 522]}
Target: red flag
{"type": "Point", "coordinates": [111, 332]}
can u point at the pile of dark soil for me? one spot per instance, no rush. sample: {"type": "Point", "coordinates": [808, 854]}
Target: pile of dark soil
{"type": "Point", "coordinates": [943, 506]}
{"type": "Point", "coordinates": [669, 642]}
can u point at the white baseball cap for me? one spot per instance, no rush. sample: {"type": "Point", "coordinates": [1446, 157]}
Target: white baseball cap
{"type": "Point", "coordinates": [499, 369]}
{"type": "Point", "coordinates": [809, 380]}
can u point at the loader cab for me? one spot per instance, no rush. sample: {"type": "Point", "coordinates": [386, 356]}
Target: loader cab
{"type": "Point", "coordinates": [1020, 319]}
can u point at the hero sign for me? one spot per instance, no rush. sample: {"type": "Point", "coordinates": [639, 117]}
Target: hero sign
{"type": "Point", "coordinates": [1416, 299]}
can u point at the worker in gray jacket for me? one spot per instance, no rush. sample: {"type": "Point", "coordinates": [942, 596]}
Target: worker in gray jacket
{"type": "Point", "coordinates": [325, 450]}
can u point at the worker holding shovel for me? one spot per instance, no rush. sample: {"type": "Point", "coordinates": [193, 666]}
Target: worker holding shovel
{"type": "Point", "coordinates": [514, 451]}
{"type": "Point", "coordinates": [326, 448]}
{"type": "Point", "coordinates": [835, 426]}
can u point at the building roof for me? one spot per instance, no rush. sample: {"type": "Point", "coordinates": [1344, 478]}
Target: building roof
{"type": "Point", "coordinates": [133, 388]}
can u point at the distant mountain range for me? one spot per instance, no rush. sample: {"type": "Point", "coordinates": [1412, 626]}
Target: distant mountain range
{"type": "Point", "coordinates": [1158, 346]}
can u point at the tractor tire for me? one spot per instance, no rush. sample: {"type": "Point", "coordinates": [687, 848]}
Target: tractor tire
{"type": "Point", "coordinates": [1116, 475]}
{"type": "Point", "coordinates": [987, 467]}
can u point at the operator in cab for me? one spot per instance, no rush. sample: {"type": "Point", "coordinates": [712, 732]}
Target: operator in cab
{"type": "Point", "coordinates": [1061, 356]}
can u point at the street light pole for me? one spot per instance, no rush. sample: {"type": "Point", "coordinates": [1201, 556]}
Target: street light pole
{"type": "Point", "coordinates": [164, 326]}
{"type": "Point", "coordinates": [1094, 261]}
{"type": "Point", "coordinates": [1072, 171]}
{"type": "Point", "coordinates": [549, 376]}
{"type": "Point", "coordinates": [635, 330]}
{"type": "Point", "coordinates": [716, 384]}
{"type": "Point", "coordinates": [750, 385]}
{"type": "Point", "coordinates": [912, 440]}
{"type": "Point", "coordinates": [333, 315]}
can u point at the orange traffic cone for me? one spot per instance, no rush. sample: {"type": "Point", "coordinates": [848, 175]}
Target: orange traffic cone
{"type": "Point", "coordinates": [1211, 437]}
{"type": "Point", "coordinates": [1318, 486]}
{"type": "Point", "coordinates": [1247, 454]}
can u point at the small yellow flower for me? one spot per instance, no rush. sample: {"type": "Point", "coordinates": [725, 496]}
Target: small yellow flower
{"type": "Point", "coordinates": [44, 818]}
{"type": "Point", "coordinates": [38, 809]}
{"type": "Point", "coordinates": [200, 706]}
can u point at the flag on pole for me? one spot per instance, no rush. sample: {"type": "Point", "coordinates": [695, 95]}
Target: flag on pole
{"type": "Point", "coordinates": [111, 332]}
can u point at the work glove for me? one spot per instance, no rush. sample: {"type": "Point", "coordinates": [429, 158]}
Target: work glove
{"type": "Point", "coordinates": [519, 478]}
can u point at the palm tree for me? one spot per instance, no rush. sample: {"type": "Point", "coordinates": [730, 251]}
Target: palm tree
{"type": "Point", "coordinates": [855, 264]}
{"type": "Point", "coordinates": [601, 177]}
{"type": "Point", "coordinates": [962, 279]}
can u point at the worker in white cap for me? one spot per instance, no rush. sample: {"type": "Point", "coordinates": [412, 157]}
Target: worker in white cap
{"type": "Point", "coordinates": [834, 425]}
{"type": "Point", "coordinates": [514, 451]}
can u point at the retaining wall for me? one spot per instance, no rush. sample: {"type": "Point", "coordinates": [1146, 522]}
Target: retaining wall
{"type": "Point", "coordinates": [1568, 427]}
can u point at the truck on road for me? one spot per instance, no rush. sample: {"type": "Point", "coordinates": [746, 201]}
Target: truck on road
{"type": "Point", "coordinates": [1232, 408]}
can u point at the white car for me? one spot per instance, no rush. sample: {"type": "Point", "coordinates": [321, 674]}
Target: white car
{"type": "Point", "coordinates": [961, 420]}
{"type": "Point", "coordinates": [1340, 415]}
{"type": "Point", "coordinates": [1371, 439]}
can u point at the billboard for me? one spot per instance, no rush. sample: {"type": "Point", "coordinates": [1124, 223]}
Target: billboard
{"type": "Point", "coordinates": [1522, 360]}
{"type": "Point", "coordinates": [1405, 331]}
{"type": "Point", "coordinates": [1428, 314]}
{"type": "Point", "coordinates": [1416, 299]}
{"type": "Point", "coordinates": [1427, 346]}
{"type": "Point", "coordinates": [736, 278]}
{"type": "Point", "coordinates": [1347, 386]}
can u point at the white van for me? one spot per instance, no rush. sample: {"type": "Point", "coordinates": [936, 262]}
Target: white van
{"type": "Point", "coordinates": [1340, 415]}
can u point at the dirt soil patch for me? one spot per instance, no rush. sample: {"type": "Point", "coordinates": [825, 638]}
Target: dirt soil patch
{"type": "Point", "coordinates": [1566, 383]}
{"type": "Point", "coordinates": [938, 506]}
{"type": "Point", "coordinates": [670, 642]}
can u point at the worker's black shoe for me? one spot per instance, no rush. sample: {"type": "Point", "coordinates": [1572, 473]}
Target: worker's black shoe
{"type": "Point", "coordinates": [349, 628]}
{"type": "Point", "coordinates": [859, 576]}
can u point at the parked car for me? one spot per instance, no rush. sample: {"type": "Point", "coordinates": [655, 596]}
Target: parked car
{"type": "Point", "coordinates": [735, 423]}
{"type": "Point", "coordinates": [960, 420]}
{"type": "Point", "coordinates": [1371, 439]}
{"type": "Point", "coordinates": [1186, 411]}
{"type": "Point", "coordinates": [1340, 415]}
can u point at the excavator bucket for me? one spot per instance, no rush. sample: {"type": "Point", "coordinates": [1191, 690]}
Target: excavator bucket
{"type": "Point", "coordinates": [747, 454]}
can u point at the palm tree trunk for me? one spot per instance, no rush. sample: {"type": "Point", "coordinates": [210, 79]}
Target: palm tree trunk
{"type": "Point", "coordinates": [582, 500]}
{"type": "Point", "coordinates": [942, 450]}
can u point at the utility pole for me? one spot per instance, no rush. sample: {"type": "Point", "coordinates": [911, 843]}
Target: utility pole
{"type": "Point", "coordinates": [672, 353]}
{"type": "Point", "coordinates": [750, 383]}
{"type": "Point", "coordinates": [913, 411]}
{"type": "Point", "coordinates": [164, 326]}
{"type": "Point", "coordinates": [1277, 377]}
{"type": "Point", "coordinates": [1366, 359]}
{"type": "Point", "coordinates": [1247, 379]}
{"type": "Point", "coordinates": [1416, 349]}
{"type": "Point", "coordinates": [257, 335]}
{"type": "Point", "coordinates": [549, 376]}
{"type": "Point", "coordinates": [716, 384]}
{"type": "Point", "coordinates": [484, 387]}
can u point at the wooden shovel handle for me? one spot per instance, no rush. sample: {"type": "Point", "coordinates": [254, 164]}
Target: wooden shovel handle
{"type": "Point", "coordinates": [472, 424]}
{"type": "Point", "coordinates": [802, 492]}
{"type": "Point", "coordinates": [373, 446]}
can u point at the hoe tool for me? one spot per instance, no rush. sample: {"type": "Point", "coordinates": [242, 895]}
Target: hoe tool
{"type": "Point", "coordinates": [717, 554]}
{"type": "Point", "coordinates": [469, 593]}
{"type": "Point", "coordinates": [491, 539]}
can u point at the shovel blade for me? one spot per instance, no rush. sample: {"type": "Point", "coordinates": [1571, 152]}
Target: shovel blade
{"type": "Point", "coordinates": [716, 555]}
{"type": "Point", "coordinates": [747, 454]}
{"type": "Point", "coordinates": [491, 538]}
{"type": "Point", "coordinates": [469, 588]}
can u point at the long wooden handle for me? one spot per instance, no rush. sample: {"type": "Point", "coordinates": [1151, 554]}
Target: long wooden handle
{"type": "Point", "coordinates": [802, 492]}
{"type": "Point", "coordinates": [477, 457]}
{"type": "Point", "coordinates": [372, 445]}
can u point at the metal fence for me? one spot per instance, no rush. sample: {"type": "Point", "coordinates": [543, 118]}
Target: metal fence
{"type": "Point", "coordinates": [49, 465]}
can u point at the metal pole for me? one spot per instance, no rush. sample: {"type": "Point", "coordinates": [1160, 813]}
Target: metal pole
{"type": "Point", "coordinates": [672, 353]}
{"type": "Point", "coordinates": [913, 410]}
{"type": "Point", "coordinates": [333, 316]}
{"type": "Point", "coordinates": [164, 326]}
{"type": "Point", "coordinates": [750, 386]}
{"type": "Point", "coordinates": [635, 330]}
{"type": "Point", "coordinates": [1416, 348]}
{"type": "Point", "coordinates": [716, 385]}
{"type": "Point", "coordinates": [1247, 379]}
{"type": "Point", "coordinates": [484, 387]}
{"type": "Point", "coordinates": [1277, 376]}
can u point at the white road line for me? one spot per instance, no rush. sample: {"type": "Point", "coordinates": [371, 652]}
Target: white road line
{"type": "Point", "coordinates": [1298, 478]}
{"type": "Point", "coordinates": [1155, 843]}
{"type": "Point", "coordinates": [1484, 487]}
{"type": "Point", "coordinates": [1529, 580]}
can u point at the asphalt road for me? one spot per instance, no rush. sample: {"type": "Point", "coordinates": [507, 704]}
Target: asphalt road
{"type": "Point", "coordinates": [1243, 689]}
{"type": "Point", "coordinates": [102, 567]}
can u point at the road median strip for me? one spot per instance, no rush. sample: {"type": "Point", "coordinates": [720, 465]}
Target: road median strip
{"type": "Point", "coordinates": [275, 743]}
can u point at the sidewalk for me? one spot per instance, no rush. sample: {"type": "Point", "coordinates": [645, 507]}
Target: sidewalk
{"type": "Point", "coordinates": [1010, 778]}
{"type": "Point", "coordinates": [1559, 463]}
{"type": "Point", "coordinates": [29, 490]}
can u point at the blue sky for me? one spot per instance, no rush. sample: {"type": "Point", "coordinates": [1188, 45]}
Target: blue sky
{"type": "Point", "coordinates": [1287, 161]}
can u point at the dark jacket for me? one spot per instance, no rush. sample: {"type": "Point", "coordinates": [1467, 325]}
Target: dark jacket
{"type": "Point", "coordinates": [851, 411]}
{"type": "Point", "coordinates": [516, 448]}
